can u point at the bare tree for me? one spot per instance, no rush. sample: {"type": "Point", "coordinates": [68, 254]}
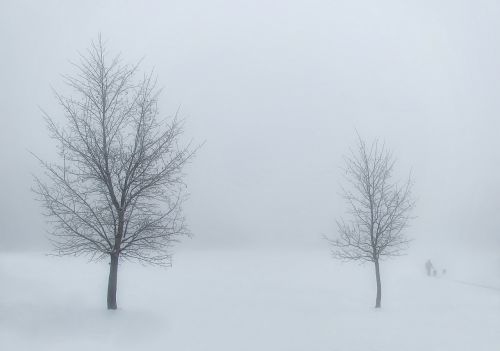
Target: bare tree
{"type": "Point", "coordinates": [118, 188]}
{"type": "Point", "coordinates": [379, 209]}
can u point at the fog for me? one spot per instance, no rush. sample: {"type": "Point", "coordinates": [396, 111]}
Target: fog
{"type": "Point", "coordinates": [276, 91]}
{"type": "Point", "coordinates": [276, 94]}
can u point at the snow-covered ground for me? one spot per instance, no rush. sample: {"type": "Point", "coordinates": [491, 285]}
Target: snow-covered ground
{"type": "Point", "coordinates": [255, 300]}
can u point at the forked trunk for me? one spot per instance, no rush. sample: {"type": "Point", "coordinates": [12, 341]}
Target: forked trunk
{"type": "Point", "coordinates": [379, 285]}
{"type": "Point", "coordinates": [112, 282]}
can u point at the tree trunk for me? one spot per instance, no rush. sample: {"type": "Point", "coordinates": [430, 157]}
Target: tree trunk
{"type": "Point", "coordinates": [379, 285]}
{"type": "Point", "coordinates": [112, 282]}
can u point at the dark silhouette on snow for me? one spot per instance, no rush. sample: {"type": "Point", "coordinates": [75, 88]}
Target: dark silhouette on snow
{"type": "Point", "coordinates": [429, 267]}
{"type": "Point", "coordinates": [379, 210]}
{"type": "Point", "coordinates": [117, 191]}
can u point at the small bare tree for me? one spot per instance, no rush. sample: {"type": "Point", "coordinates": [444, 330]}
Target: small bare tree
{"type": "Point", "coordinates": [117, 191]}
{"type": "Point", "coordinates": [379, 209]}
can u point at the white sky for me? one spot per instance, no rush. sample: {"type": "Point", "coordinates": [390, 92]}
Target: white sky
{"type": "Point", "coordinates": [277, 89]}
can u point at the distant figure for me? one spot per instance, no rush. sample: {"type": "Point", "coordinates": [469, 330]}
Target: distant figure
{"type": "Point", "coordinates": [429, 268]}
{"type": "Point", "coordinates": [443, 271]}
{"type": "Point", "coordinates": [434, 272]}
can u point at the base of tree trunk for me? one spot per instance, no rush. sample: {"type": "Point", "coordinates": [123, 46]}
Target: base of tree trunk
{"type": "Point", "coordinates": [378, 299]}
{"type": "Point", "coordinates": [112, 282]}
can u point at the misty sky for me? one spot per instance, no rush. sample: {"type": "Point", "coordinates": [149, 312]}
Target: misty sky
{"type": "Point", "coordinates": [277, 90]}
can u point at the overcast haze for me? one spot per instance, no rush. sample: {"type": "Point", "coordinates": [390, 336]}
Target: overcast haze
{"type": "Point", "coordinates": [276, 90]}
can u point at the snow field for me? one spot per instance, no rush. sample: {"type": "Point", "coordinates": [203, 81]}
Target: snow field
{"type": "Point", "coordinates": [247, 300]}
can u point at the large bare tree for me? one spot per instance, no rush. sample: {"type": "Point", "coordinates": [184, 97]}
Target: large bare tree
{"type": "Point", "coordinates": [117, 190]}
{"type": "Point", "coordinates": [379, 209]}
